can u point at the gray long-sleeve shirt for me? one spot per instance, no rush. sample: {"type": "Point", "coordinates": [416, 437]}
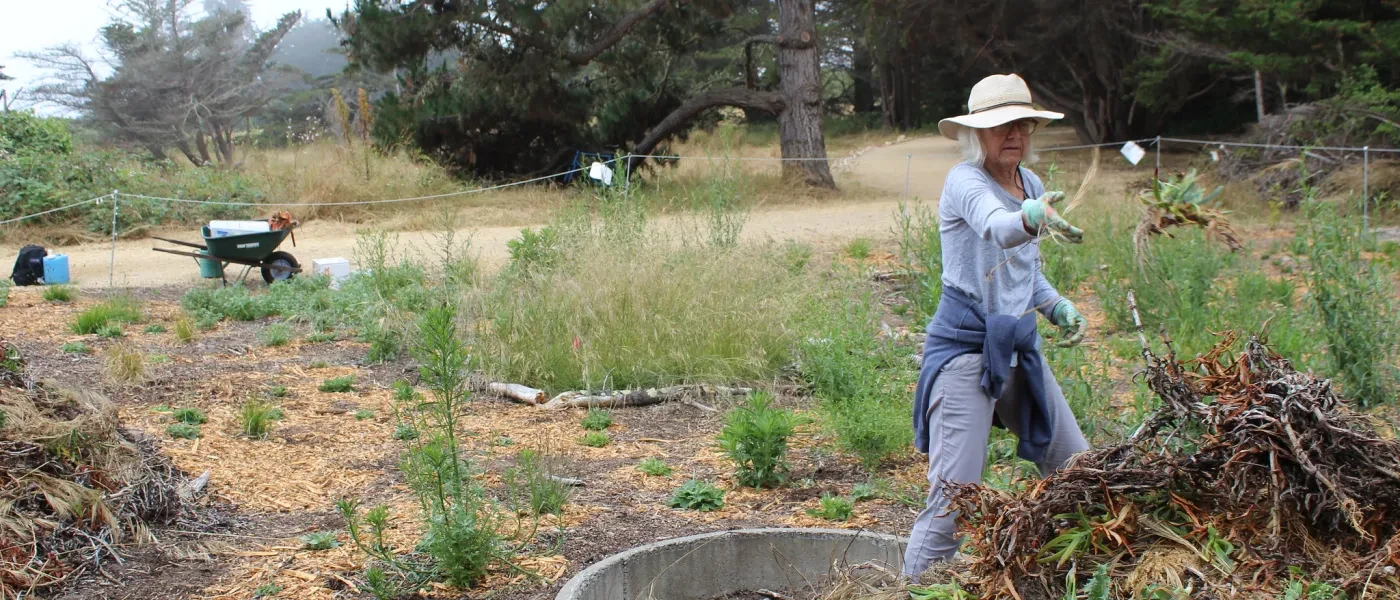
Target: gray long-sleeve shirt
{"type": "Point", "coordinates": [981, 230]}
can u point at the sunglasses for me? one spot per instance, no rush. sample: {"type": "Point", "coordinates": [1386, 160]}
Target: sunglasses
{"type": "Point", "coordinates": [1028, 126]}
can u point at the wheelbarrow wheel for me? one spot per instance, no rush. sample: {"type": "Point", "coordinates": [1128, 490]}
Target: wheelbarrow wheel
{"type": "Point", "coordinates": [270, 267]}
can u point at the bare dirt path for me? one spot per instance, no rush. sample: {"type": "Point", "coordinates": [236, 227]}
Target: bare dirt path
{"type": "Point", "coordinates": [879, 174]}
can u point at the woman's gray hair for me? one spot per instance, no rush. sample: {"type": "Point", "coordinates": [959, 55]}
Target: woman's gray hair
{"type": "Point", "coordinates": [973, 153]}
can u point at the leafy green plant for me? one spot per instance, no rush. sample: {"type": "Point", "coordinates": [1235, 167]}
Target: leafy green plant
{"type": "Point", "coordinates": [534, 250]}
{"type": "Point", "coordinates": [597, 420]}
{"type": "Point", "coordinates": [267, 589]}
{"type": "Point", "coordinates": [530, 486]}
{"type": "Point", "coordinates": [362, 414]}
{"type": "Point", "coordinates": [277, 391]}
{"type": "Point", "coordinates": [60, 293]}
{"type": "Point", "coordinates": [405, 432]}
{"type": "Point", "coordinates": [190, 415]}
{"type": "Point", "coordinates": [385, 344]}
{"type": "Point", "coordinates": [697, 495]}
{"type": "Point", "coordinates": [833, 508]}
{"type": "Point", "coordinates": [110, 331]}
{"type": "Point", "coordinates": [859, 248]}
{"type": "Point", "coordinates": [595, 439]}
{"type": "Point", "coordinates": [256, 418]}
{"type": "Point", "coordinates": [654, 466]}
{"type": "Point", "coordinates": [939, 591]}
{"type": "Point", "coordinates": [755, 438]}
{"type": "Point", "coordinates": [863, 492]}
{"type": "Point", "coordinates": [338, 385]}
{"type": "Point", "coordinates": [75, 348]}
{"type": "Point", "coordinates": [184, 431]}
{"type": "Point", "coordinates": [155, 328]}
{"type": "Point", "coordinates": [320, 540]}
{"type": "Point", "coordinates": [278, 334]}
{"type": "Point", "coordinates": [404, 392]}
{"type": "Point", "coordinates": [321, 337]}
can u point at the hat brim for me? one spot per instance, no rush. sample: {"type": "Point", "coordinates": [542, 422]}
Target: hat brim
{"type": "Point", "coordinates": [950, 126]}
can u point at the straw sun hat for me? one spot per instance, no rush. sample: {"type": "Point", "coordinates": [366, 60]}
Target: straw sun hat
{"type": "Point", "coordinates": [995, 100]}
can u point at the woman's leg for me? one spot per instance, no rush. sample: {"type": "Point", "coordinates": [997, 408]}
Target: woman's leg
{"type": "Point", "coordinates": [1066, 438]}
{"type": "Point", "coordinates": [960, 419]}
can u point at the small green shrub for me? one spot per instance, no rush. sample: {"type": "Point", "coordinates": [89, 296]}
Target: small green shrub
{"type": "Point", "coordinates": [595, 439]}
{"type": "Point", "coordinates": [183, 431]}
{"type": "Point", "coordinates": [267, 589]}
{"type": "Point", "coordinates": [403, 391]}
{"type": "Point", "coordinates": [111, 312]}
{"type": "Point", "coordinates": [597, 420]}
{"type": "Point", "coordinates": [833, 508]}
{"type": "Point", "coordinates": [338, 385]}
{"type": "Point", "coordinates": [654, 466]}
{"type": "Point", "coordinates": [318, 364]}
{"type": "Point", "coordinates": [362, 414]}
{"type": "Point", "coordinates": [320, 540]}
{"type": "Point", "coordinates": [60, 293]}
{"type": "Point", "coordinates": [278, 391]}
{"type": "Point", "coordinates": [158, 359]}
{"type": "Point", "coordinates": [755, 438]}
{"type": "Point", "coordinates": [384, 344]}
{"type": "Point", "coordinates": [534, 251]}
{"type": "Point", "coordinates": [4, 417]}
{"type": "Point", "coordinates": [75, 348]}
{"type": "Point", "coordinates": [184, 330]}
{"type": "Point", "coordinates": [112, 331]}
{"type": "Point", "coordinates": [155, 328]}
{"type": "Point", "coordinates": [320, 338]}
{"type": "Point", "coordinates": [190, 415]}
{"type": "Point", "coordinates": [859, 248]}
{"type": "Point", "coordinates": [405, 432]}
{"type": "Point", "coordinates": [529, 485]}
{"type": "Point", "coordinates": [697, 495]}
{"type": "Point", "coordinates": [275, 335]}
{"type": "Point", "coordinates": [256, 418]}
{"type": "Point", "coordinates": [863, 492]}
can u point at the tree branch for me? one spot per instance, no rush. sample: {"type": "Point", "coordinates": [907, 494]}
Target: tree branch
{"type": "Point", "coordinates": [769, 102]}
{"type": "Point", "coordinates": [609, 38]}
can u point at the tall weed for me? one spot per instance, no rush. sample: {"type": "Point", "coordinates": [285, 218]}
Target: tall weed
{"type": "Point", "coordinates": [755, 437]}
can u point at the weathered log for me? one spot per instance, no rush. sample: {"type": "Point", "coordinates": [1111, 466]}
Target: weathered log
{"type": "Point", "coordinates": [646, 397]}
{"type": "Point", "coordinates": [514, 391]}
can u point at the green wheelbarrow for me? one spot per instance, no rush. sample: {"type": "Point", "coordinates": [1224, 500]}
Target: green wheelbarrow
{"type": "Point", "coordinates": [252, 250]}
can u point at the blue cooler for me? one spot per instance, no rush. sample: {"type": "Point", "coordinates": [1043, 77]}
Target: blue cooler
{"type": "Point", "coordinates": [55, 269]}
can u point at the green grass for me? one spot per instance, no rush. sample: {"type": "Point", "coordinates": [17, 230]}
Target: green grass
{"type": "Point", "coordinates": [155, 328]}
{"type": "Point", "coordinates": [362, 414]}
{"type": "Point", "coordinates": [318, 364]}
{"type": "Point", "coordinates": [530, 486]}
{"type": "Point", "coordinates": [109, 313]}
{"type": "Point", "coordinates": [654, 466]}
{"type": "Point", "coordinates": [60, 293]}
{"type": "Point", "coordinates": [190, 415]}
{"type": "Point", "coordinates": [266, 590]}
{"type": "Point", "coordinates": [185, 330]}
{"type": "Point", "coordinates": [75, 348]}
{"type": "Point", "coordinates": [256, 418]}
{"type": "Point", "coordinates": [859, 248]}
{"type": "Point", "coordinates": [597, 420]}
{"type": "Point", "coordinates": [320, 338]}
{"type": "Point", "coordinates": [595, 439]}
{"type": "Point", "coordinates": [279, 334]}
{"type": "Point", "coordinates": [183, 431]}
{"type": "Point", "coordinates": [338, 385]}
{"type": "Point", "coordinates": [111, 331]}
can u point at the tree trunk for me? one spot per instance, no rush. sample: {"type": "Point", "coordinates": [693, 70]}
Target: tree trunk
{"type": "Point", "coordinates": [203, 147]}
{"type": "Point", "coordinates": [800, 122]}
{"type": "Point", "coordinates": [1259, 95]}
{"type": "Point", "coordinates": [769, 102]}
{"type": "Point", "coordinates": [862, 67]}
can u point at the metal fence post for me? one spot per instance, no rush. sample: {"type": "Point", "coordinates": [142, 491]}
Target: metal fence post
{"type": "Point", "coordinates": [908, 164]}
{"type": "Point", "coordinates": [1365, 188]}
{"type": "Point", "coordinates": [1159, 156]}
{"type": "Point", "coordinates": [627, 175]}
{"type": "Point", "coordinates": [112, 266]}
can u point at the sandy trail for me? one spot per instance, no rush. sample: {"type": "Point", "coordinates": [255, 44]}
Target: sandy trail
{"type": "Point", "coordinates": [879, 173]}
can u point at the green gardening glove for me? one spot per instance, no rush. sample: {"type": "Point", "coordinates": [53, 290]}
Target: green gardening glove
{"type": "Point", "coordinates": [1067, 318]}
{"type": "Point", "coordinates": [1039, 214]}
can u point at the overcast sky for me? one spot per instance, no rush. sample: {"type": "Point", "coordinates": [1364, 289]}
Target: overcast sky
{"type": "Point", "coordinates": [32, 25]}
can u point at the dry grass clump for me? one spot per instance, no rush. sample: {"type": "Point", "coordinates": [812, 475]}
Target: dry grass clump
{"type": "Point", "coordinates": [76, 486]}
{"type": "Point", "coordinates": [329, 172]}
{"type": "Point", "coordinates": [125, 363]}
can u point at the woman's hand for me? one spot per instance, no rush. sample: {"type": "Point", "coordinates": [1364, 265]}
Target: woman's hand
{"type": "Point", "coordinates": [1067, 318]}
{"type": "Point", "coordinates": [1039, 214]}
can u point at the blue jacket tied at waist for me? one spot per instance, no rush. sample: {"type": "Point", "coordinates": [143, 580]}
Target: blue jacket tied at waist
{"type": "Point", "coordinates": [958, 327]}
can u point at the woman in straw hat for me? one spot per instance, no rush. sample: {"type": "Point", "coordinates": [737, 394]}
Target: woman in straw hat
{"type": "Point", "coordinates": [982, 364]}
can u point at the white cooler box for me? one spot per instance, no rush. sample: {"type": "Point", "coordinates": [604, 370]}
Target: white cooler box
{"type": "Point", "coordinates": [337, 268]}
{"type": "Point", "coordinates": [227, 228]}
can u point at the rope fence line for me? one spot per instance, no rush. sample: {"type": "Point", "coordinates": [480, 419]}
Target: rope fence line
{"type": "Point", "coordinates": [908, 158]}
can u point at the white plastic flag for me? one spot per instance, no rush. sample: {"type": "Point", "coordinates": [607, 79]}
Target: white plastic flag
{"type": "Point", "coordinates": [1133, 152]}
{"type": "Point", "coordinates": [601, 172]}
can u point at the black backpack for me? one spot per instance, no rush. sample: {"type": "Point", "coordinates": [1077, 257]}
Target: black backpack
{"type": "Point", "coordinates": [29, 267]}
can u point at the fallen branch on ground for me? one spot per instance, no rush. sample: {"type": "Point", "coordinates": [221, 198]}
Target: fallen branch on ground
{"type": "Point", "coordinates": [514, 391]}
{"type": "Point", "coordinates": [646, 397]}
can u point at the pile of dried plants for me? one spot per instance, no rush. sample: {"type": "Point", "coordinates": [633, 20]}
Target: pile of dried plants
{"type": "Point", "coordinates": [74, 487]}
{"type": "Point", "coordinates": [1251, 480]}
